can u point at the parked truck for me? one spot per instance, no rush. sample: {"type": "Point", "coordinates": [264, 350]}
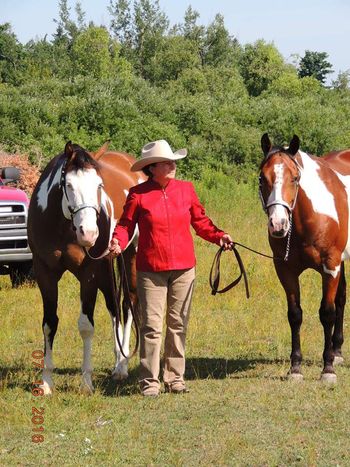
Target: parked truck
{"type": "Point", "coordinates": [15, 254]}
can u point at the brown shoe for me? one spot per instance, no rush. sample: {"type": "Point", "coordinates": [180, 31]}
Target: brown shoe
{"type": "Point", "coordinates": [176, 389]}
{"type": "Point", "coordinates": [153, 393]}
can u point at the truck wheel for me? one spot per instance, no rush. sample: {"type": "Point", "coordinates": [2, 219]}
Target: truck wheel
{"type": "Point", "coordinates": [22, 273]}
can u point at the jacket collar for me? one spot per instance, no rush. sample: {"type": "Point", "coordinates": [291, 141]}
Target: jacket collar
{"type": "Point", "coordinates": [157, 186]}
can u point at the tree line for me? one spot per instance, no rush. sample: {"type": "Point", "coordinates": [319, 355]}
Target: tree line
{"type": "Point", "coordinates": [143, 79]}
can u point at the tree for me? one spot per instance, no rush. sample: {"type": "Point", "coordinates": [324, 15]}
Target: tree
{"type": "Point", "coordinates": [219, 47]}
{"type": "Point", "coordinates": [343, 80]}
{"type": "Point", "coordinates": [66, 27]}
{"type": "Point", "coordinates": [190, 29]}
{"type": "Point", "coordinates": [260, 64]}
{"type": "Point", "coordinates": [121, 23]}
{"type": "Point", "coordinates": [40, 59]}
{"type": "Point", "coordinates": [175, 54]}
{"type": "Point", "coordinates": [315, 64]}
{"type": "Point", "coordinates": [10, 55]}
{"type": "Point", "coordinates": [139, 30]}
{"type": "Point", "coordinates": [91, 53]}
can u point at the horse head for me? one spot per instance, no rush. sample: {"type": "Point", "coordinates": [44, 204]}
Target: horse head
{"type": "Point", "coordinates": [82, 188]}
{"type": "Point", "coordinates": [278, 184]}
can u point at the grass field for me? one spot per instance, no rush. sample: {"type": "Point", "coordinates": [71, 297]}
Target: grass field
{"type": "Point", "coordinates": [240, 410]}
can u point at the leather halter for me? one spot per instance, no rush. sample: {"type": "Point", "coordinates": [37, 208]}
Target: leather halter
{"type": "Point", "coordinates": [281, 202]}
{"type": "Point", "coordinates": [266, 205]}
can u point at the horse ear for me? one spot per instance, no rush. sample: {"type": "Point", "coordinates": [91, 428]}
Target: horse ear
{"type": "Point", "coordinates": [68, 150]}
{"type": "Point", "coordinates": [265, 143]}
{"type": "Point", "coordinates": [294, 145]}
{"type": "Point", "coordinates": [101, 151]}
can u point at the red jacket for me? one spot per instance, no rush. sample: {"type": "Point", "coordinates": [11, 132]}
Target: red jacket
{"type": "Point", "coordinates": [164, 217]}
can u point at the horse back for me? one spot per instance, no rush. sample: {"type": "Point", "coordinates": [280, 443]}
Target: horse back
{"type": "Point", "coordinates": [118, 178]}
{"type": "Point", "coordinates": [338, 161]}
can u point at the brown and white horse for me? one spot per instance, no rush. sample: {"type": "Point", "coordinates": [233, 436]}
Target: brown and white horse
{"type": "Point", "coordinates": [73, 210]}
{"type": "Point", "coordinates": [306, 199]}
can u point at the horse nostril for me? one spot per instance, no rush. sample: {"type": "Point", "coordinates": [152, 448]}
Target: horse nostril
{"type": "Point", "coordinates": [81, 230]}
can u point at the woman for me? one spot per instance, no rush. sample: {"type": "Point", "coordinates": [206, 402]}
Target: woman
{"type": "Point", "coordinates": [164, 208]}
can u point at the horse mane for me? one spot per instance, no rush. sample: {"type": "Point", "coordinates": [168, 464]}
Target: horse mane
{"type": "Point", "coordinates": [81, 159]}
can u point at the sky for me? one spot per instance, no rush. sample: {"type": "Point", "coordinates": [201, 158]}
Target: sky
{"type": "Point", "coordinates": [293, 26]}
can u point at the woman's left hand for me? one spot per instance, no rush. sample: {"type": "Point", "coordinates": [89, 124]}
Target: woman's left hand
{"type": "Point", "coordinates": [226, 242]}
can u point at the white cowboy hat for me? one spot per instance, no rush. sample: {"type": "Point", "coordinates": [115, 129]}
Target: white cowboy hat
{"type": "Point", "coordinates": [157, 151]}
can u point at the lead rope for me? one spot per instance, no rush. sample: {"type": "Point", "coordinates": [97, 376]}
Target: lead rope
{"type": "Point", "coordinates": [131, 306]}
{"type": "Point", "coordinates": [289, 237]}
{"type": "Point", "coordinates": [215, 270]}
{"type": "Point", "coordinates": [117, 294]}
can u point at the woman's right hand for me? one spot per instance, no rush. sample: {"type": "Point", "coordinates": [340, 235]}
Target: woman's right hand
{"type": "Point", "coordinates": [114, 247]}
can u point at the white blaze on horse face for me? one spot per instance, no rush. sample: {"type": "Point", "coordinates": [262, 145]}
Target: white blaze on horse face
{"type": "Point", "coordinates": [321, 198]}
{"type": "Point", "coordinates": [82, 188]}
{"type": "Point", "coordinates": [278, 215]}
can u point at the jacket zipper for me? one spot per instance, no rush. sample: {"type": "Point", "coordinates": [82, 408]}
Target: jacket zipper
{"type": "Point", "coordinates": [169, 229]}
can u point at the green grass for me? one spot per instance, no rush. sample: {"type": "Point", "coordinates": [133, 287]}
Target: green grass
{"type": "Point", "coordinates": [240, 409]}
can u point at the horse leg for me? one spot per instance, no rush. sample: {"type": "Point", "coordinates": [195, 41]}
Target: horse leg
{"type": "Point", "coordinates": [327, 315]}
{"type": "Point", "coordinates": [340, 301]}
{"type": "Point", "coordinates": [290, 283]}
{"type": "Point", "coordinates": [120, 370]}
{"type": "Point", "coordinates": [88, 293]}
{"type": "Point", "coordinates": [47, 280]}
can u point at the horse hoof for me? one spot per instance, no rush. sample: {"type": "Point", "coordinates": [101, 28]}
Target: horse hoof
{"type": "Point", "coordinates": [295, 377]}
{"type": "Point", "coordinates": [46, 388]}
{"type": "Point", "coordinates": [86, 386]}
{"type": "Point", "coordinates": [86, 389]}
{"type": "Point", "coordinates": [118, 375]}
{"type": "Point", "coordinates": [338, 360]}
{"type": "Point", "coordinates": [328, 378]}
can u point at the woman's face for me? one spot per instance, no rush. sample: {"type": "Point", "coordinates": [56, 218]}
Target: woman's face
{"type": "Point", "coordinates": [163, 171]}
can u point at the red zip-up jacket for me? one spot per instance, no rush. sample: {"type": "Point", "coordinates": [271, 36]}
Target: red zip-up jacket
{"type": "Point", "coordinates": [164, 217]}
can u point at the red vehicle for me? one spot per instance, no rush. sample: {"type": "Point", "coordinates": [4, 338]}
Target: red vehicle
{"type": "Point", "coordinates": [15, 255]}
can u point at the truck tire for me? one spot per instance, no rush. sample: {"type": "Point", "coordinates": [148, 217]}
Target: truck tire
{"type": "Point", "coordinates": [22, 273]}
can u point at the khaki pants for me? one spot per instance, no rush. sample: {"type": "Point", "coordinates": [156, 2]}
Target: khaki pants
{"type": "Point", "coordinates": [155, 290]}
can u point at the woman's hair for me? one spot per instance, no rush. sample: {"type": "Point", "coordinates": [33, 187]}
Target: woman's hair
{"type": "Point", "coordinates": [146, 170]}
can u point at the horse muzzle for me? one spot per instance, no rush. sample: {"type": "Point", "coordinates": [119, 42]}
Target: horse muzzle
{"type": "Point", "coordinates": [279, 221]}
{"type": "Point", "coordinates": [87, 239]}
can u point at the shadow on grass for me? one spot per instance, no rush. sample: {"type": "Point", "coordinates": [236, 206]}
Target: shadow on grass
{"type": "Point", "coordinates": [15, 376]}
{"type": "Point", "coordinates": [197, 368]}
{"type": "Point", "coordinates": [220, 368]}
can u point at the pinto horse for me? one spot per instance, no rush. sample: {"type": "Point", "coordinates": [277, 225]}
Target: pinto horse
{"type": "Point", "coordinates": [72, 214]}
{"type": "Point", "coordinates": [306, 200]}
